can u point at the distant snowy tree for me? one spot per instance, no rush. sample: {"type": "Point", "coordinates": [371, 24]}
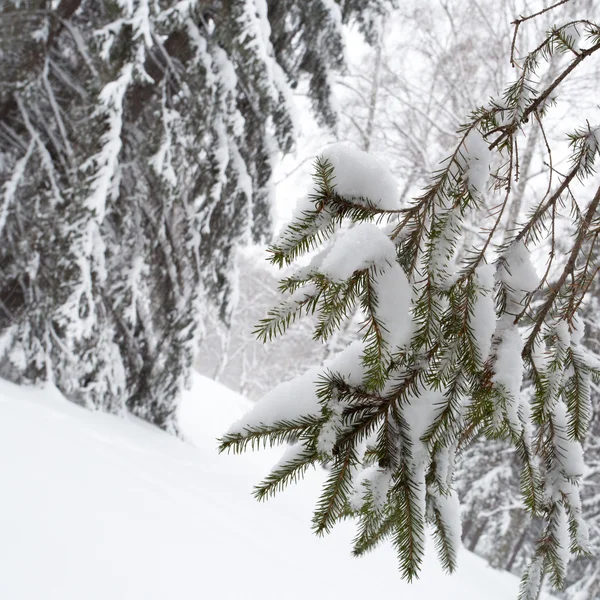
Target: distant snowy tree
{"type": "Point", "coordinates": [450, 342]}
{"type": "Point", "coordinates": [137, 143]}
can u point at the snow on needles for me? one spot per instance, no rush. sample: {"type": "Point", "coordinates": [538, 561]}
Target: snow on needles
{"type": "Point", "coordinates": [509, 370]}
{"type": "Point", "coordinates": [297, 398]}
{"type": "Point", "coordinates": [366, 246]}
{"type": "Point", "coordinates": [568, 451]}
{"type": "Point", "coordinates": [483, 319]}
{"type": "Point", "coordinates": [360, 177]}
{"type": "Point", "coordinates": [361, 247]}
{"type": "Point", "coordinates": [285, 402]}
{"type": "Point", "coordinates": [517, 273]}
{"type": "Point", "coordinates": [519, 278]}
{"type": "Point", "coordinates": [476, 161]}
{"type": "Point", "coordinates": [394, 298]}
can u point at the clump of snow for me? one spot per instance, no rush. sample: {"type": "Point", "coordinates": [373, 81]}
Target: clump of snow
{"type": "Point", "coordinates": [106, 162]}
{"type": "Point", "coordinates": [561, 531]}
{"type": "Point", "coordinates": [445, 459]}
{"type": "Point", "coordinates": [348, 363]}
{"type": "Point", "coordinates": [508, 368]}
{"type": "Point", "coordinates": [419, 412]}
{"type": "Point", "coordinates": [577, 330]}
{"type": "Point", "coordinates": [562, 333]}
{"type": "Point", "coordinates": [448, 506]}
{"type": "Point", "coordinates": [298, 397]}
{"type": "Point", "coordinates": [227, 76]}
{"type": "Point", "coordinates": [360, 176]}
{"type": "Point", "coordinates": [441, 263]}
{"type": "Point", "coordinates": [568, 451]}
{"type": "Point", "coordinates": [359, 247]}
{"type": "Point", "coordinates": [368, 247]}
{"type": "Point", "coordinates": [475, 159]}
{"type": "Point", "coordinates": [534, 578]}
{"type": "Point", "coordinates": [394, 297]}
{"type": "Point", "coordinates": [287, 401]}
{"type": "Point", "coordinates": [482, 321]}
{"type": "Point", "coordinates": [378, 481]}
{"type": "Point", "coordinates": [331, 428]}
{"type": "Point", "coordinates": [517, 272]}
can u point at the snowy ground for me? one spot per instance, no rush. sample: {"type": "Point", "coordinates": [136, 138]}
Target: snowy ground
{"type": "Point", "coordinates": [96, 507]}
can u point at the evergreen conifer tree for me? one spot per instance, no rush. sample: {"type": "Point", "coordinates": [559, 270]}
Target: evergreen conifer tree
{"type": "Point", "coordinates": [447, 341]}
{"type": "Point", "coordinates": [137, 142]}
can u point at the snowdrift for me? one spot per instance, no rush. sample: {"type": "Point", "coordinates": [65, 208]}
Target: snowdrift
{"type": "Point", "coordinates": [93, 507]}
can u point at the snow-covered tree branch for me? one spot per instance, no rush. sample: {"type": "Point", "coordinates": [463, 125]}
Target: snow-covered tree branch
{"type": "Point", "coordinates": [449, 340]}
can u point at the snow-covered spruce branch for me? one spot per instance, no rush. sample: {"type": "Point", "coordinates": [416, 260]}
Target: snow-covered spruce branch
{"type": "Point", "coordinates": [447, 340]}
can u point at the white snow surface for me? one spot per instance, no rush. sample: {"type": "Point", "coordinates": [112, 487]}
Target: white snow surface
{"type": "Point", "coordinates": [96, 507]}
{"type": "Point", "coordinates": [359, 175]}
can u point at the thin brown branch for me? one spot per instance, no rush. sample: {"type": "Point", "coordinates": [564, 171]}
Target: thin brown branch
{"type": "Point", "coordinates": [541, 210]}
{"type": "Point", "coordinates": [521, 19]}
{"type": "Point", "coordinates": [509, 130]}
{"type": "Point", "coordinates": [568, 270]}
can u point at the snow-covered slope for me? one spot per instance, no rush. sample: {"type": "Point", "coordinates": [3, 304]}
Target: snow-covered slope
{"type": "Point", "coordinates": [96, 507]}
